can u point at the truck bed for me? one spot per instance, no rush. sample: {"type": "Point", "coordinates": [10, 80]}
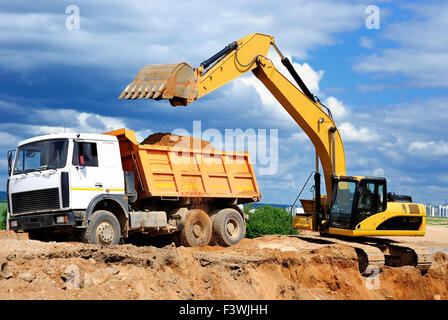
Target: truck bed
{"type": "Point", "coordinates": [165, 171]}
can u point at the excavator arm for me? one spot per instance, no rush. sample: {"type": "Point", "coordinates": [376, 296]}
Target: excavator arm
{"type": "Point", "coordinates": [181, 84]}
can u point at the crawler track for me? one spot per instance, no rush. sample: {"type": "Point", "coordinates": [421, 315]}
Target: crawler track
{"type": "Point", "coordinates": [375, 253]}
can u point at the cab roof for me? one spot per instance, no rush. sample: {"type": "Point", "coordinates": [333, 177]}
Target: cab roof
{"type": "Point", "coordinates": [73, 135]}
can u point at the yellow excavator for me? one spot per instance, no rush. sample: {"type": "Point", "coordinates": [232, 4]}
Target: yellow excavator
{"type": "Point", "coordinates": [356, 209]}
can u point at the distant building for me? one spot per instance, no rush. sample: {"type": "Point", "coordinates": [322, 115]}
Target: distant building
{"type": "Point", "coordinates": [437, 210]}
{"type": "Point", "coordinates": [444, 210]}
{"type": "Point", "coordinates": [295, 210]}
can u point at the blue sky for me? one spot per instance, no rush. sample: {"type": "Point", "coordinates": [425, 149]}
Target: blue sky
{"type": "Point", "coordinates": [387, 87]}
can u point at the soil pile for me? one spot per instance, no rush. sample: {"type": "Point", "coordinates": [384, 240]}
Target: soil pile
{"type": "Point", "coordinates": [170, 140]}
{"type": "Point", "coordinates": [270, 267]}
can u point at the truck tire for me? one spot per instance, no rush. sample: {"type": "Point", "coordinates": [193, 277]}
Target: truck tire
{"type": "Point", "coordinates": [197, 229]}
{"type": "Point", "coordinates": [102, 229]}
{"type": "Point", "coordinates": [228, 227]}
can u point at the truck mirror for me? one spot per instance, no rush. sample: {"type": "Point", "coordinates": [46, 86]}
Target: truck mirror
{"type": "Point", "coordinates": [10, 159]}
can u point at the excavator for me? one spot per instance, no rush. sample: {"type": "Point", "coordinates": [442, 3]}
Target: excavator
{"type": "Point", "coordinates": [357, 210]}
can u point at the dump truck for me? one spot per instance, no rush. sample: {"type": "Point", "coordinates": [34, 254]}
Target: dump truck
{"type": "Point", "coordinates": [106, 187]}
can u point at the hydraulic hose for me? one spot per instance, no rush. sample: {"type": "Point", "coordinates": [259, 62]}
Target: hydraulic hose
{"type": "Point", "coordinates": [290, 211]}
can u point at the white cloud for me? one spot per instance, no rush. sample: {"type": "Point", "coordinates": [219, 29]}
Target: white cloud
{"type": "Point", "coordinates": [419, 49]}
{"type": "Point", "coordinates": [338, 110]}
{"type": "Point", "coordinates": [39, 121]}
{"type": "Point", "coordinates": [125, 36]}
{"type": "Point", "coordinates": [366, 42]}
{"type": "Point", "coordinates": [269, 105]}
{"type": "Point", "coordinates": [350, 132]}
{"type": "Point", "coordinates": [379, 172]}
{"type": "Point", "coordinates": [7, 139]}
{"type": "Point", "coordinates": [429, 148]}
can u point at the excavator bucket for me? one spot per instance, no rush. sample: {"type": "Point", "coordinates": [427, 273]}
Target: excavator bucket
{"type": "Point", "coordinates": [174, 82]}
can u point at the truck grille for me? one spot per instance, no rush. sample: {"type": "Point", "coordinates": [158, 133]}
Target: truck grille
{"type": "Point", "coordinates": [46, 199]}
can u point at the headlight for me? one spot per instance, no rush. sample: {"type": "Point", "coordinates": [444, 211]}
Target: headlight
{"type": "Point", "coordinates": [13, 224]}
{"type": "Point", "coordinates": [61, 219]}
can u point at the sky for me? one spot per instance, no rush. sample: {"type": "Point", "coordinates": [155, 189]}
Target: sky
{"type": "Point", "coordinates": [380, 66]}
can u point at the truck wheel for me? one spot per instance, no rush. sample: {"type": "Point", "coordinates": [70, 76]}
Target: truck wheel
{"type": "Point", "coordinates": [197, 229]}
{"type": "Point", "coordinates": [228, 227]}
{"type": "Point", "coordinates": [103, 229]}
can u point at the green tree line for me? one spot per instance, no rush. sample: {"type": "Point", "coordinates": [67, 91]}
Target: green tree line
{"type": "Point", "coordinates": [266, 220]}
{"type": "Point", "coordinates": [2, 215]}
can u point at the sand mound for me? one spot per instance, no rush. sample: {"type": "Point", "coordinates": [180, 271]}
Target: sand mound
{"type": "Point", "coordinates": [170, 140]}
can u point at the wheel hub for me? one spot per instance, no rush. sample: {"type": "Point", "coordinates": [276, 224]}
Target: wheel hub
{"type": "Point", "coordinates": [197, 231]}
{"type": "Point", "coordinates": [105, 233]}
{"type": "Point", "coordinates": [232, 228]}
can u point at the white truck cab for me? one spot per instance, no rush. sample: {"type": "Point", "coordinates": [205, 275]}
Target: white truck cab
{"type": "Point", "coordinates": [57, 179]}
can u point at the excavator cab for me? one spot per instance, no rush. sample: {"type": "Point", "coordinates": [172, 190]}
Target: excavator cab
{"type": "Point", "coordinates": [361, 206]}
{"type": "Point", "coordinates": [354, 200]}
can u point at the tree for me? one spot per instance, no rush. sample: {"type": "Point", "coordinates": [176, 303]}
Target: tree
{"type": "Point", "coordinates": [3, 219]}
{"type": "Point", "coordinates": [268, 220]}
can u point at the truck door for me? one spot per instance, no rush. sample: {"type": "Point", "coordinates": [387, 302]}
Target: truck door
{"type": "Point", "coordinates": [86, 177]}
{"type": "Point", "coordinates": [96, 169]}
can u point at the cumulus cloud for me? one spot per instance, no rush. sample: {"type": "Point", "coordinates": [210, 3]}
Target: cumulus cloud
{"type": "Point", "coordinates": [429, 148]}
{"type": "Point", "coordinates": [7, 139]}
{"type": "Point", "coordinates": [338, 110]}
{"type": "Point", "coordinates": [127, 35]}
{"type": "Point", "coordinates": [419, 46]}
{"type": "Point", "coordinates": [352, 133]}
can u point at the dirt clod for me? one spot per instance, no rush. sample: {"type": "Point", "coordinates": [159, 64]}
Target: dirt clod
{"type": "Point", "coordinates": [28, 277]}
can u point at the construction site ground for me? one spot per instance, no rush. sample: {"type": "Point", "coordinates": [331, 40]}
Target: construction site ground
{"type": "Point", "coordinates": [270, 267]}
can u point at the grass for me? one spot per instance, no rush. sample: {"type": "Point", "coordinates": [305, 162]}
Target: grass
{"type": "Point", "coordinates": [2, 215]}
{"type": "Point", "coordinates": [437, 221]}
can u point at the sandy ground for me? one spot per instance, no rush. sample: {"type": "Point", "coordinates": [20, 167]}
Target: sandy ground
{"type": "Point", "coordinates": [435, 236]}
{"type": "Point", "coordinates": [270, 267]}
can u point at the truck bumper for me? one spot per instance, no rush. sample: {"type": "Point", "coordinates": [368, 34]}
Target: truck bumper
{"type": "Point", "coordinates": [45, 220]}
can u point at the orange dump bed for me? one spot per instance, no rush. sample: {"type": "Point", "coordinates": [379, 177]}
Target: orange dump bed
{"type": "Point", "coordinates": [187, 172]}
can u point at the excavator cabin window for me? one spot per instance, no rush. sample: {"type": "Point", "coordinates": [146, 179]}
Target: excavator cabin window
{"type": "Point", "coordinates": [370, 199]}
{"type": "Point", "coordinates": [355, 201]}
{"type": "Point", "coordinates": [341, 209]}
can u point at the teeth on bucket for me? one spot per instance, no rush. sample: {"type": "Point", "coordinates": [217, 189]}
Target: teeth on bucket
{"type": "Point", "coordinates": [174, 82]}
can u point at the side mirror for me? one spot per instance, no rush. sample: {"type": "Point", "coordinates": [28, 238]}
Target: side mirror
{"type": "Point", "coordinates": [10, 159]}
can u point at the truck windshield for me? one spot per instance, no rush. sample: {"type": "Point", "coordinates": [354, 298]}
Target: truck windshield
{"type": "Point", "coordinates": [41, 155]}
{"type": "Point", "coordinates": [341, 211]}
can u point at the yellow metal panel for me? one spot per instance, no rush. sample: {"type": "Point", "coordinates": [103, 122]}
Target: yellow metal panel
{"type": "Point", "coordinates": [362, 233]}
{"type": "Point", "coordinates": [303, 222]}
